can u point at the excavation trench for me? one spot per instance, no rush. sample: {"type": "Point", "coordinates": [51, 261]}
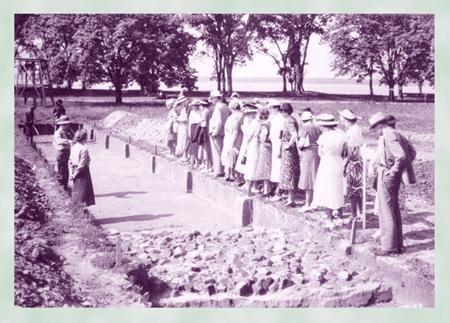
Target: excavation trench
{"type": "Point", "coordinates": [214, 246]}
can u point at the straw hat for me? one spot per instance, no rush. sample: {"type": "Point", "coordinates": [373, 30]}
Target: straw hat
{"type": "Point", "coordinates": [235, 95]}
{"type": "Point", "coordinates": [215, 94]}
{"type": "Point", "coordinates": [235, 104]}
{"type": "Point", "coordinates": [63, 120]}
{"type": "Point", "coordinates": [349, 115]}
{"type": "Point", "coordinates": [326, 119]}
{"type": "Point", "coordinates": [273, 103]}
{"type": "Point", "coordinates": [250, 107]}
{"type": "Point", "coordinates": [180, 100]}
{"type": "Point", "coordinates": [170, 103]}
{"type": "Point", "coordinates": [376, 119]}
{"type": "Point", "coordinates": [306, 116]}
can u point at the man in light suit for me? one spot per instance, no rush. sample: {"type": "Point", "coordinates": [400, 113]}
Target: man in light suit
{"type": "Point", "coordinates": [220, 113]}
{"type": "Point", "coordinates": [394, 160]}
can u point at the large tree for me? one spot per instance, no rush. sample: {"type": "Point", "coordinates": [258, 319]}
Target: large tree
{"type": "Point", "coordinates": [50, 37]}
{"type": "Point", "coordinates": [227, 37]}
{"type": "Point", "coordinates": [146, 48]}
{"type": "Point", "coordinates": [352, 47]}
{"type": "Point", "coordinates": [400, 46]}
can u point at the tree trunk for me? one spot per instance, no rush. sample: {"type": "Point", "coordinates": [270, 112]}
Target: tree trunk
{"type": "Point", "coordinates": [298, 87]}
{"type": "Point", "coordinates": [400, 91]}
{"type": "Point", "coordinates": [118, 92]}
{"type": "Point", "coordinates": [371, 84]}
{"type": "Point", "coordinates": [283, 75]}
{"type": "Point", "coordinates": [420, 85]}
{"type": "Point", "coordinates": [229, 70]}
{"type": "Point", "coordinates": [391, 92]}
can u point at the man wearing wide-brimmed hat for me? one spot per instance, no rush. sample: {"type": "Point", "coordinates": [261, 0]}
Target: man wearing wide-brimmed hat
{"type": "Point", "coordinates": [61, 142]}
{"type": "Point", "coordinates": [390, 165]}
{"type": "Point", "coordinates": [219, 115]}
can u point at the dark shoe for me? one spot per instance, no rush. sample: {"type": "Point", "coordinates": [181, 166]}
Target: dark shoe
{"type": "Point", "coordinates": [384, 253]}
{"type": "Point", "coordinates": [230, 179]}
{"type": "Point", "coordinates": [220, 175]}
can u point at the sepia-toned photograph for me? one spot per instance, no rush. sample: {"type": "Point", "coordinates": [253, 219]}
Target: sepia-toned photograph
{"type": "Point", "coordinates": [224, 160]}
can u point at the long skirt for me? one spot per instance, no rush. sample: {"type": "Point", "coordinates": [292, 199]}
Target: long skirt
{"type": "Point", "coordinates": [329, 185]}
{"type": "Point", "coordinates": [290, 169]}
{"type": "Point", "coordinates": [251, 162]}
{"type": "Point", "coordinates": [83, 191]}
{"type": "Point", "coordinates": [264, 162]}
{"type": "Point", "coordinates": [309, 163]}
{"type": "Point", "coordinates": [182, 138]}
{"type": "Point", "coordinates": [193, 145]}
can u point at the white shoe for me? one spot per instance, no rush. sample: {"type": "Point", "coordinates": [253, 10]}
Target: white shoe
{"type": "Point", "coordinates": [305, 208]}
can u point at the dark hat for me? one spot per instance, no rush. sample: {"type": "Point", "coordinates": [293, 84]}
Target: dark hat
{"type": "Point", "coordinates": [59, 101]}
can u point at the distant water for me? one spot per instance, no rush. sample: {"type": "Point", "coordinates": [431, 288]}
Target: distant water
{"type": "Point", "coordinates": [333, 86]}
{"type": "Point", "coordinates": [270, 84]}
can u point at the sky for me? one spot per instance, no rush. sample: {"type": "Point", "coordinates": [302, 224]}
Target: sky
{"type": "Point", "coordinates": [318, 63]}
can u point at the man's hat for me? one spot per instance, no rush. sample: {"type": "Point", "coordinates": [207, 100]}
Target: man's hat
{"type": "Point", "coordinates": [376, 119]}
{"type": "Point", "coordinates": [63, 120]}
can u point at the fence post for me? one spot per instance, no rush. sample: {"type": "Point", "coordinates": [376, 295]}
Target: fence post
{"type": "Point", "coordinates": [364, 188]}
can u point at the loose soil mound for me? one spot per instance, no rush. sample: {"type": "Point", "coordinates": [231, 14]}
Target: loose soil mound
{"type": "Point", "coordinates": [39, 280]}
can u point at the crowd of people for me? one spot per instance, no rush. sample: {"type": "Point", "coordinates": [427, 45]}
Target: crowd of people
{"type": "Point", "coordinates": [263, 147]}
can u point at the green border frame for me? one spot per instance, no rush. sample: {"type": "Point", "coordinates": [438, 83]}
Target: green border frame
{"type": "Point", "coordinates": [9, 313]}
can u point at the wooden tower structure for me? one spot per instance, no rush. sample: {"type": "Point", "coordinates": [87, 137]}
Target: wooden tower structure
{"type": "Point", "coordinates": [33, 81]}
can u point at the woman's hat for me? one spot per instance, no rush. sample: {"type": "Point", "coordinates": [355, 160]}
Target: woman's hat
{"type": "Point", "coordinates": [170, 103]}
{"type": "Point", "coordinates": [326, 119]}
{"type": "Point", "coordinates": [235, 104]}
{"type": "Point", "coordinates": [59, 101]}
{"type": "Point", "coordinates": [376, 119]}
{"type": "Point", "coordinates": [306, 116]}
{"type": "Point", "coordinates": [180, 100]}
{"type": "Point", "coordinates": [349, 115]}
{"type": "Point", "coordinates": [249, 107]}
{"type": "Point", "coordinates": [215, 94]}
{"type": "Point", "coordinates": [235, 95]}
{"type": "Point", "coordinates": [273, 103]}
{"type": "Point", "coordinates": [63, 120]}
{"type": "Point", "coordinates": [80, 135]}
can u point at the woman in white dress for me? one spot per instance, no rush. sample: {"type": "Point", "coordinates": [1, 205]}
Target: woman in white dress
{"type": "Point", "coordinates": [329, 185]}
{"type": "Point", "coordinates": [252, 154]}
{"type": "Point", "coordinates": [182, 127]}
{"type": "Point", "coordinates": [240, 168]}
{"type": "Point", "coordinates": [232, 139]}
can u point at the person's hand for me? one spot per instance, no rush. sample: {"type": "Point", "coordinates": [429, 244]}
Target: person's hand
{"type": "Point", "coordinates": [72, 178]}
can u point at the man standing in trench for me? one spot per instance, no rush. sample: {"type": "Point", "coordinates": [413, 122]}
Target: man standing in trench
{"type": "Point", "coordinates": [220, 113]}
{"type": "Point", "coordinates": [390, 165]}
{"type": "Point", "coordinates": [62, 142]}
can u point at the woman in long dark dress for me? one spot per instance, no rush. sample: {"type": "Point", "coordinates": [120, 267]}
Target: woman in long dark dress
{"type": "Point", "coordinates": [290, 163]}
{"type": "Point", "coordinates": [83, 191]}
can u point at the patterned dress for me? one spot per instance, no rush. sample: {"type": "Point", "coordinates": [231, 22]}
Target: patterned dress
{"type": "Point", "coordinates": [265, 153]}
{"type": "Point", "coordinates": [309, 157]}
{"type": "Point", "coordinates": [353, 169]}
{"type": "Point", "coordinates": [290, 163]}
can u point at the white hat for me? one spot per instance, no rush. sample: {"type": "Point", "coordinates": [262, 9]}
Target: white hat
{"type": "Point", "coordinates": [235, 95]}
{"type": "Point", "coordinates": [273, 103]}
{"type": "Point", "coordinates": [306, 116]}
{"type": "Point", "coordinates": [235, 104]}
{"type": "Point", "coordinates": [215, 94]}
{"type": "Point", "coordinates": [326, 119]}
{"type": "Point", "coordinates": [180, 100]}
{"type": "Point", "coordinates": [348, 114]}
{"type": "Point", "coordinates": [170, 103]}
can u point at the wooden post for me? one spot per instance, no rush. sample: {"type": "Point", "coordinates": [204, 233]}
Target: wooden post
{"type": "Point", "coordinates": [118, 251]}
{"type": "Point", "coordinates": [247, 212]}
{"type": "Point", "coordinates": [107, 142]}
{"type": "Point", "coordinates": [364, 188]}
{"type": "Point", "coordinates": [92, 134]}
{"type": "Point", "coordinates": [189, 182]}
{"type": "Point", "coordinates": [155, 150]}
{"type": "Point", "coordinates": [153, 164]}
{"type": "Point", "coordinates": [127, 150]}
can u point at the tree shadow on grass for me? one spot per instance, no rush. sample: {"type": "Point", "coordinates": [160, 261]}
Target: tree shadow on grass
{"type": "Point", "coordinates": [132, 218]}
